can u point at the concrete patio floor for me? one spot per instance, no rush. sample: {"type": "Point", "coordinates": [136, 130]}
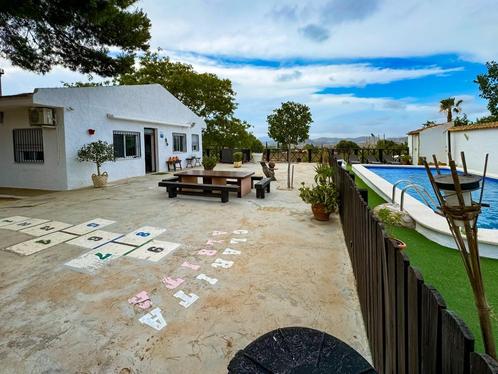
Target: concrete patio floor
{"type": "Point", "coordinates": [292, 271]}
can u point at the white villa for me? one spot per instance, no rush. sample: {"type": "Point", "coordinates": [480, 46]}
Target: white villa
{"type": "Point", "coordinates": [41, 132]}
{"type": "Point", "coordinates": [474, 140]}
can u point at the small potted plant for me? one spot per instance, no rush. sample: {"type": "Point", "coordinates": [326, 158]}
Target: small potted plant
{"type": "Point", "coordinates": [209, 162]}
{"type": "Point", "coordinates": [97, 152]}
{"type": "Point", "coordinates": [322, 197]}
{"type": "Point", "coordinates": [406, 160]}
{"type": "Point", "coordinates": [391, 219]}
{"type": "Point", "coordinates": [237, 159]}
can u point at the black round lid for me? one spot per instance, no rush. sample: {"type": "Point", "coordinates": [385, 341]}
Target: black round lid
{"type": "Point", "coordinates": [298, 350]}
{"type": "Point", "coordinates": [467, 182]}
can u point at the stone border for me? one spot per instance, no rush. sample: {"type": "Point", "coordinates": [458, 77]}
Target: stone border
{"type": "Point", "coordinates": [428, 223]}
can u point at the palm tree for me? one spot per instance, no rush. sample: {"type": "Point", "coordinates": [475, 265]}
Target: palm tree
{"type": "Point", "coordinates": [450, 106]}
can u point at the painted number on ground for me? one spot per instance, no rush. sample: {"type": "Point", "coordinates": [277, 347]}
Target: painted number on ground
{"type": "Point", "coordinates": [89, 226]}
{"type": "Point", "coordinates": [24, 224]}
{"type": "Point", "coordinates": [36, 245]}
{"type": "Point", "coordinates": [154, 250]}
{"type": "Point", "coordinates": [46, 228]}
{"type": "Point", "coordinates": [91, 261]}
{"type": "Point", "coordinates": [95, 239]}
{"type": "Point", "coordinates": [141, 235]}
{"type": "Point", "coordinates": [10, 220]}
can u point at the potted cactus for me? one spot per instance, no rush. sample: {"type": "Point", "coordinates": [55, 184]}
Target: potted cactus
{"type": "Point", "coordinates": [97, 152]}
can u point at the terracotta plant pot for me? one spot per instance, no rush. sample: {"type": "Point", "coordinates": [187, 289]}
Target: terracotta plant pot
{"type": "Point", "coordinates": [399, 244]}
{"type": "Point", "coordinates": [99, 180]}
{"type": "Point", "coordinates": [320, 213]}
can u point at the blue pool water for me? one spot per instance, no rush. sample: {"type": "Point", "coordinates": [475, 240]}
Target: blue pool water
{"type": "Point", "coordinates": [489, 216]}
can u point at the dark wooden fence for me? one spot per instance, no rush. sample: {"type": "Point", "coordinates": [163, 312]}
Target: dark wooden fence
{"type": "Point", "coordinates": [408, 326]}
{"type": "Point", "coordinates": [296, 155]}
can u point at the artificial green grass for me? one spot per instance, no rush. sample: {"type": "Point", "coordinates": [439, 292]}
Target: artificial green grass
{"type": "Point", "coordinates": [443, 268]}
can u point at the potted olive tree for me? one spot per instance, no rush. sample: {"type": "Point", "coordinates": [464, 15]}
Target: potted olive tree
{"type": "Point", "coordinates": [237, 159]}
{"type": "Point", "coordinates": [97, 152]}
{"type": "Point", "coordinates": [323, 195]}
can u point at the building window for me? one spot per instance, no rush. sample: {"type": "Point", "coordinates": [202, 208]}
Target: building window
{"type": "Point", "coordinates": [195, 142]}
{"type": "Point", "coordinates": [28, 145]}
{"type": "Point", "coordinates": [126, 144]}
{"type": "Point", "coordinates": [179, 142]}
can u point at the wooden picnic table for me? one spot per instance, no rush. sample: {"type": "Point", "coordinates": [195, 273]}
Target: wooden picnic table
{"type": "Point", "coordinates": [242, 178]}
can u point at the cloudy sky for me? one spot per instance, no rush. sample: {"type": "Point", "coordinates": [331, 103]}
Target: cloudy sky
{"type": "Point", "coordinates": [363, 66]}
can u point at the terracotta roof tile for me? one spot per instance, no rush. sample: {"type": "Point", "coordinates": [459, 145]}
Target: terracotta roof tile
{"type": "Point", "coordinates": [478, 126]}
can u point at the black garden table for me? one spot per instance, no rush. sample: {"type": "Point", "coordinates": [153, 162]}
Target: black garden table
{"type": "Point", "coordinates": [298, 350]}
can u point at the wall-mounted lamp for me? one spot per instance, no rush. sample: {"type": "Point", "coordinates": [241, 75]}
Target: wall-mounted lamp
{"type": "Point", "coordinates": [91, 131]}
{"type": "Point", "coordinates": [192, 124]}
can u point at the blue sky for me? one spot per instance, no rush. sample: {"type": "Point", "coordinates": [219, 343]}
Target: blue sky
{"type": "Point", "coordinates": [363, 66]}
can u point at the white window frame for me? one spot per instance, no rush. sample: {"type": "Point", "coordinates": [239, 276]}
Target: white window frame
{"type": "Point", "coordinates": [183, 142]}
{"type": "Point", "coordinates": [196, 145]}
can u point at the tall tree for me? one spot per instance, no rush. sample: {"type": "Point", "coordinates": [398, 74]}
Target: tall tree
{"type": "Point", "coordinates": [205, 94]}
{"type": "Point", "coordinates": [450, 106]}
{"type": "Point", "coordinates": [38, 34]}
{"type": "Point", "coordinates": [289, 125]}
{"type": "Point", "coordinates": [488, 85]}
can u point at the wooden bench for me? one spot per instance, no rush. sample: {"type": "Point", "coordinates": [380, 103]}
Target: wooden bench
{"type": "Point", "coordinates": [261, 186]}
{"type": "Point", "coordinates": [197, 189]}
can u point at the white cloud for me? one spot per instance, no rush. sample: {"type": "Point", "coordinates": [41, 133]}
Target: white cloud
{"type": "Point", "coordinates": [360, 28]}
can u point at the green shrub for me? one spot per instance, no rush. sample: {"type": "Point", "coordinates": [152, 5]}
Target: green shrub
{"type": "Point", "coordinates": [325, 194]}
{"type": "Point", "coordinates": [237, 157]}
{"type": "Point", "coordinates": [209, 162]}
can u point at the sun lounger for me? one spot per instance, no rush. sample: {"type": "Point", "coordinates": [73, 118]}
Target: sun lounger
{"type": "Point", "coordinates": [353, 159]}
{"type": "Point", "coordinates": [371, 159]}
{"type": "Point", "coordinates": [388, 159]}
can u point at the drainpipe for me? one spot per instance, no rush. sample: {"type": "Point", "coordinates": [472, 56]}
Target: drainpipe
{"type": "Point", "coordinates": [1, 73]}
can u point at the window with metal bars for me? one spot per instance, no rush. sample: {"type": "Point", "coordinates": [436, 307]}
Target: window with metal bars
{"type": "Point", "coordinates": [126, 144]}
{"type": "Point", "coordinates": [28, 146]}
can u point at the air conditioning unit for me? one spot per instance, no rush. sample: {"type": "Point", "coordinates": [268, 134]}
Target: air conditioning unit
{"type": "Point", "coordinates": [41, 117]}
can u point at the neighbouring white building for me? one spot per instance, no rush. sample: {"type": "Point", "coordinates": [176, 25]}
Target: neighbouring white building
{"type": "Point", "coordinates": [475, 140]}
{"type": "Point", "coordinates": [41, 133]}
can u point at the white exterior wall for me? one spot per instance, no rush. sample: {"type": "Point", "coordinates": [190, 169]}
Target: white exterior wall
{"type": "Point", "coordinates": [434, 140]}
{"type": "Point", "coordinates": [476, 144]}
{"type": "Point", "coordinates": [49, 175]}
{"type": "Point", "coordinates": [87, 108]}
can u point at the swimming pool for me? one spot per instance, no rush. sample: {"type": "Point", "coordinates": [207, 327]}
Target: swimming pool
{"type": "Point", "coordinates": [489, 216]}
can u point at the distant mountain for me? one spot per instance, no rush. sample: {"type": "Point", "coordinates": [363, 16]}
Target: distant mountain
{"type": "Point", "coordinates": [333, 141]}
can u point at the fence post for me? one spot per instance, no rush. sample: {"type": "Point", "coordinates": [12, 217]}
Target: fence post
{"type": "Point", "coordinates": [267, 154]}
{"type": "Point", "coordinates": [363, 193]}
{"type": "Point", "coordinates": [381, 155]}
{"type": "Point", "coordinates": [310, 154]}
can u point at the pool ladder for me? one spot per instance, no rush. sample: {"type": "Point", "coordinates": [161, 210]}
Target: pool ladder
{"type": "Point", "coordinates": [422, 192]}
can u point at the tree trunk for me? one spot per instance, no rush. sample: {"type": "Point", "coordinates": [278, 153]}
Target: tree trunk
{"type": "Point", "coordinates": [450, 116]}
{"type": "Point", "coordinates": [98, 169]}
{"type": "Point", "coordinates": [288, 166]}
